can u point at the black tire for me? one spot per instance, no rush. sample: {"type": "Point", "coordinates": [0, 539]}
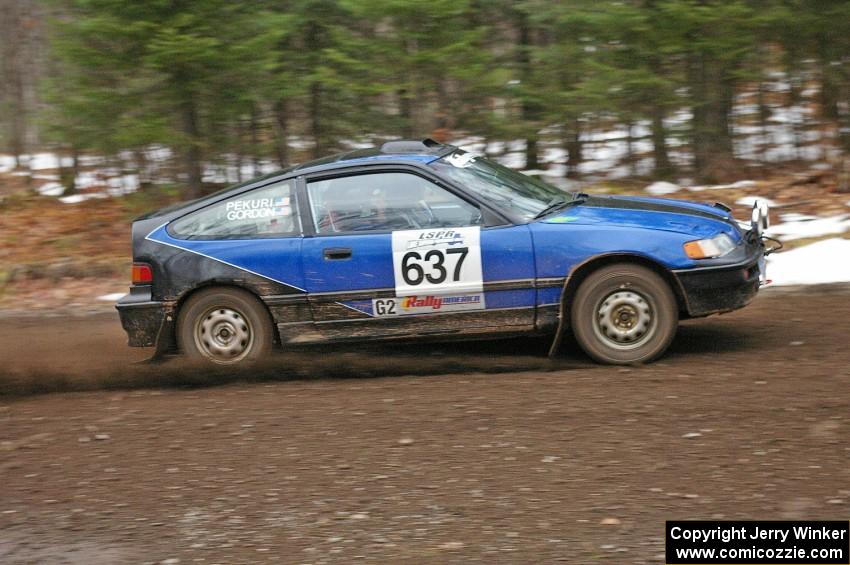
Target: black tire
{"type": "Point", "coordinates": [224, 326]}
{"type": "Point", "coordinates": [624, 314]}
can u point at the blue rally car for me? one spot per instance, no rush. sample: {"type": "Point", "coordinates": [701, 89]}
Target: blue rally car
{"type": "Point", "coordinates": [417, 240]}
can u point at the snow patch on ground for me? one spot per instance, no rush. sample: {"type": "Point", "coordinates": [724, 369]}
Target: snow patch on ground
{"type": "Point", "coordinates": [77, 198]}
{"type": "Point", "coordinates": [796, 217]}
{"type": "Point", "coordinates": [739, 184]}
{"type": "Point", "coordinates": [51, 189]}
{"type": "Point", "coordinates": [808, 226]}
{"type": "Point", "coordinates": [124, 184]}
{"type": "Point", "coordinates": [751, 200]}
{"type": "Point", "coordinates": [228, 172]}
{"type": "Point", "coordinates": [661, 188]}
{"type": "Point", "coordinates": [819, 263]}
{"type": "Point", "coordinates": [7, 163]}
{"type": "Point", "coordinates": [88, 179]}
{"type": "Point", "coordinates": [39, 161]}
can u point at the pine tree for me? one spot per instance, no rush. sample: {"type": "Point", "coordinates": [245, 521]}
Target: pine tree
{"type": "Point", "coordinates": [163, 72]}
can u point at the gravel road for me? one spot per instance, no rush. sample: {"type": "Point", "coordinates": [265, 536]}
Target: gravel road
{"type": "Point", "coordinates": [427, 453]}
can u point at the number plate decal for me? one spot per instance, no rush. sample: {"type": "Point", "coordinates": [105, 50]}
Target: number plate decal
{"type": "Point", "coordinates": [437, 261]}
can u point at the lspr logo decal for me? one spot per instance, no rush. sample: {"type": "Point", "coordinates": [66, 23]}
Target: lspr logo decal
{"type": "Point", "coordinates": [439, 238]}
{"type": "Point", "coordinates": [435, 262]}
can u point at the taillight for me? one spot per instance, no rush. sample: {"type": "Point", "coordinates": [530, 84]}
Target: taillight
{"type": "Point", "coordinates": [142, 273]}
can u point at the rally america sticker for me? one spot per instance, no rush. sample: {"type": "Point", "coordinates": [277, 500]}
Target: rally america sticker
{"type": "Point", "coordinates": [426, 304]}
{"type": "Point", "coordinates": [437, 261]}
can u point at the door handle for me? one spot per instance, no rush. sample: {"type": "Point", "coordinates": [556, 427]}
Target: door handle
{"type": "Point", "coordinates": [337, 253]}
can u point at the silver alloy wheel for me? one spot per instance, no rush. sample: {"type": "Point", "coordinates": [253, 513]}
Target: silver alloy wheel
{"type": "Point", "coordinates": [624, 319]}
{"type": "Point", "coordinates": [224, 335]}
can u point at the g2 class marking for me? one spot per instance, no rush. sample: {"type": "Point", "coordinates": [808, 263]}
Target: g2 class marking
{"type": "Point", "coordinates": [426, 304]}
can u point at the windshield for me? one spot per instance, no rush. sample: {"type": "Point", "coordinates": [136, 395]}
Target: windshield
{"type": "Point", "coordinates": [524, 196]}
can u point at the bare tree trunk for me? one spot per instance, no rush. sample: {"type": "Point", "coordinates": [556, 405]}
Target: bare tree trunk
{"type": "Point", "coordinates": [17, 130]}
{"type": "Point", "coordinates": [410, 95]}
{"type": "Point", "coordinates": [282, 129]}
{"type": "Point", "coordinates": [405, 108]}
{"type": "Point", "coordinates": [532, 152]}
{"type": "Point", "coordinates": [14, 43]}
{"type": "Point", "coordinates": [700, 141]}
{"type": "Point", "coordinates": [573, 146]}
{"type": "Point", "coordinates": [663, 165]}
{"type": "Point", "coordinates": [530, 111]}
{"type": "Point", "coordinates": [795, 98]}
{"type": "Point", "coordinates": [630, 149]}
{"type": "Point", "coordinates": [844, 174]}
{"type": "Point", "coordinates": [142, 166]}
{"type": "Point", "coordinates": [844, 133]}
{"type": "Point", "coordinates": [254, 127]}
{"type": "Point", "coordinates": [834, 107]}
{"type": "Point", "coordinates": [316, 124]}
{"type": "Point", "coordinates": [75, 163]}
{"type": "Point", "coordinates": [764, 116]}
{"type": "Point", "coordinates": [725, 107]}
{"type": "Point", "coordinates": [239, 135]}
{"type": "Point", "coordinates": [193, 153]}
{"type": "Point", "coordinates": [68, 175]}
{"type": "Point", "coordinates": [445, 119]}
{"type": "Point", "coordinates": [712, 93]}
{"type": "Point", "coordinates": [314, 41]}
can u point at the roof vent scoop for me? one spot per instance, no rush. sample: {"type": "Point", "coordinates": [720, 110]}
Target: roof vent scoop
{"type": "Point", "coordinates": [426, 145]}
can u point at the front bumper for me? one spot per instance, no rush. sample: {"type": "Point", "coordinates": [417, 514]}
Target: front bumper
{"type": "Point", "coordinates": [146, 321]}
{"type": "Point", "coordinates": [722, 288]}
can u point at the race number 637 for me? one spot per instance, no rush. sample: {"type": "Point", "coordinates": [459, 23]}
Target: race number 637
{"type": "Point", "coordinates": [438, 261]}
{"type": "Point", "coordinates": [414, 265]}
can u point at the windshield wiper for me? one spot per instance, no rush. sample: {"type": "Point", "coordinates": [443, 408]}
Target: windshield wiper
{"type": "Point", "coordinates": [553, 205]}
{"type": "Point", "coordinates": [558, 203]}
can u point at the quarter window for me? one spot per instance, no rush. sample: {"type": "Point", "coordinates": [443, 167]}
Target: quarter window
{"type": "Point", "coordinates": [385, 202]}
{"type": "Point", "coordinates": [265, 212]}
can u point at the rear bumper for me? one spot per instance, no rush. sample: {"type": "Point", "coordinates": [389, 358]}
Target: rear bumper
{"type": "Point", "coordinates": [145, 320]}
{"type": "Point", "coordinates": [713, 290]}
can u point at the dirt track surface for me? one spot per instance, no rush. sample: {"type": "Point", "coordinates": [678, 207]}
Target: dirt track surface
{"type": "Point", "coordinates": [515, 459]}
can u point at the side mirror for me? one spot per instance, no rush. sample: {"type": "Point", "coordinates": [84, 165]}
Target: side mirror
{"type": "Point", "coordinates": [491, 219]}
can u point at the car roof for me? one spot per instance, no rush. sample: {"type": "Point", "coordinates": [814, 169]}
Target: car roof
{"type": "Point", "coordinates": [401, 151]}
{"type": "Point", "coordinates": [357, 158]}
{"type": "Point", "coordinates": [422, 151]}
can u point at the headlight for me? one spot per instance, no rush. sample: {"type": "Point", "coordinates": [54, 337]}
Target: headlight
{"type": "Point", "coordinates": [717, 246]}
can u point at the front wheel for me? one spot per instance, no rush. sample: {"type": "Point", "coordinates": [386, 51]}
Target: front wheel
{"type": "Point", "coordinates": [224, 326]}
{"type": "Point", "coordinates": [623, 314]}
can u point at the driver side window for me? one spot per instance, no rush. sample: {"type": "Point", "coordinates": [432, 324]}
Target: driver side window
{"type": "Point", "coordinates": [386, 202]}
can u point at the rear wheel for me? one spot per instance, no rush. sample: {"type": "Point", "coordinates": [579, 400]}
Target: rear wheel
{"type": "Point", "coordinates": [624, 314]}
{"type": "Point", "coordinates": [224, 326]}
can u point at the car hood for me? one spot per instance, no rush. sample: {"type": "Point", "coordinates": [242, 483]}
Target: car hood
{"type": "Point", "coordinates": [694, 218]}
